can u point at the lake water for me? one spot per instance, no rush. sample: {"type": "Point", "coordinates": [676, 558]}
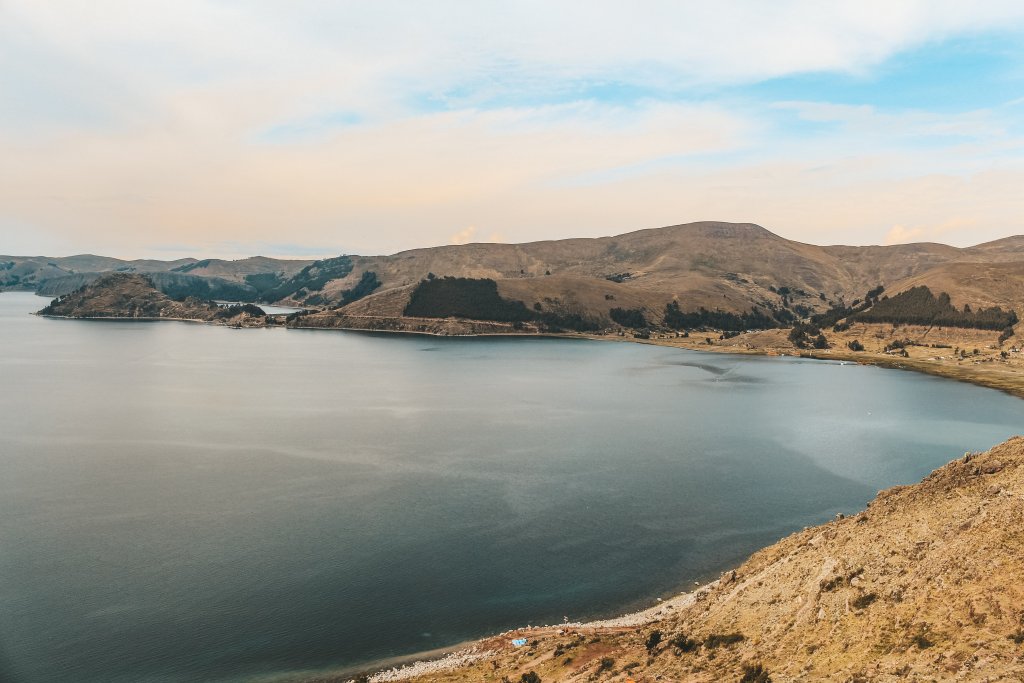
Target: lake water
{"type": "Point", "coordinates": [181, 502]}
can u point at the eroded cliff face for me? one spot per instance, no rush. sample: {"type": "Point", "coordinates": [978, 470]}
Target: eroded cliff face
{"type": "Point", "coordinates": [926, 584]}
{"type": "Point", "coordinates": [133, 296]}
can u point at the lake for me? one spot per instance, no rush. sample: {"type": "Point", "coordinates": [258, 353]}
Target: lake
{"type": "Point", "coordinates": [183, 502]}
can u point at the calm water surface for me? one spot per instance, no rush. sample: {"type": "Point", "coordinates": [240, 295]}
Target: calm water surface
{"type": "Point", "coordinates": [182, 502]}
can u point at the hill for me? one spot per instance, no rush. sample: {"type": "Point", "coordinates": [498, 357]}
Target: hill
{"type": "Point", "coordinates": [243, 279]}
{"type": "Point", "coordinates": [737, 268]}
{"type": "Point", "coordinates": [922, 585]}
{"type": "Point", "coordinates": [134, 296]}
{"type": "Point", "coordinates": [733, 267]}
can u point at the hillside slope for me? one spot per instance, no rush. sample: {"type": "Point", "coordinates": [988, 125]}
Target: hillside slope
{"type": "Point", "coordinates": [54, 276]}
{"type": "Point", "coordinates": [734, 267]}
{"type": "Point", "coordinates": [132, 295]}
{"type": "Point", "coordinates": [924, 585]}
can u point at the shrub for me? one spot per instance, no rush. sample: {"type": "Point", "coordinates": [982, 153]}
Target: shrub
{"type": "Point", "coordinates": [755, 673]}
{"type": "Point", "coordinates": [862, 601]}
{"type": "Point", "coordinates": [653, 640]}
{"type": "Point", "coordinates": [855, 345]}
{"type": "Point", "coordinates": [531, 677]}
{"type": "Point", "coordinates": [922, 641]}
{"type": "Point", "coordinates": [606, 664]}
{"type": "Point", "coordinates": [683, 643]}
{"type": "Point", "coordinates": [717, 639]}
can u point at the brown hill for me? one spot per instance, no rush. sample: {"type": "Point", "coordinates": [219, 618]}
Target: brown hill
{"type": "Point", "coordinates": [924, 585]}
{"type": "Point", "coordinates": [734, 267]}
{"type": "Point", "coordinates": [132, 295]}
{"type": "Point", "coordinates": [729, 266]}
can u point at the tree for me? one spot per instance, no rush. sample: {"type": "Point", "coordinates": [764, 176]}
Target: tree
{"type": "Point", "coordinates": [629, 317]}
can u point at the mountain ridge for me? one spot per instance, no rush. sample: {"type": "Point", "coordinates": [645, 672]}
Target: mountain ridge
{"type": "Point", "coordinates": [713, 264]}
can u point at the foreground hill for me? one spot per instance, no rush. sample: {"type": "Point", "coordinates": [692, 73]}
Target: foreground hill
{"type": "Point", "coordinates": [134, 296]}
{"type": "Point", "coordinates": [924, 585]}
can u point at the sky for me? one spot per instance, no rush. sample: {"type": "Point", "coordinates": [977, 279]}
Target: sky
{"type": "Point", "coordinates": [309, 128]}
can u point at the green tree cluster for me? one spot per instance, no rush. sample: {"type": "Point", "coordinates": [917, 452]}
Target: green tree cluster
{"type": "Point", "coordinates": [918, 306]}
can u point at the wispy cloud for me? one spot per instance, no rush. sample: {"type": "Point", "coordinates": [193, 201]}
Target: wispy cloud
{"type": "Point", "coordinates": [382, 125]}
{"type": "Point", "coordinates": [464, 236]}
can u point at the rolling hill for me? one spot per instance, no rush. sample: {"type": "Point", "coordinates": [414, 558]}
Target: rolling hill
{"type": "Point", "coordinates": [732, 267]}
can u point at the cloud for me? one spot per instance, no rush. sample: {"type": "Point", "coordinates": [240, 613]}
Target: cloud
{"type": "Point", "coordinates": [381, 125]}
{"type": "Point", "coordinates": [901, 234]}
{"type": "Point", "coordinates": [905, 124]}
{"type": "Point", "coordinates": [464, 236]}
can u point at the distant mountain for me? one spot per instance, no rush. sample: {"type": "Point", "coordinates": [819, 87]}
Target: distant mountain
{"type": "Point", "coordinates": [729, 267]}
{"type": "Point", "coordinates": [241, 280]}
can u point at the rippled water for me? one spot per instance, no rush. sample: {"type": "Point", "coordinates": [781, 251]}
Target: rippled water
{"type": "Point", "coordinates": [181, 502]}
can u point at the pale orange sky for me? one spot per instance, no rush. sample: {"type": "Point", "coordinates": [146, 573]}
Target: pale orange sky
{"type": "Point", "coordinates": [199, 128]}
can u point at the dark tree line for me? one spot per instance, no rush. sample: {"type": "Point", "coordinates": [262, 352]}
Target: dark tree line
{"type": "Point", "coordinates": [559, 322]}
{"type": "Point", "coordinates": [808, 335]}
{"type": "Point", "coordinates": [368, 282]}
{"type": "Point", "coordinates": [629, 317]}
{"type": "Point", "coordinates": [918, 306]}
{"type": "Point", "coordinates": [840, 311]}
{"type": "Point", "coordinates": [755, 319]}
{"type": "Point", "coordinates": [478, 299]}
{"type": "Point", "coordinates": [237, 310]}
{"type": "Point", "coordinates": [312, 278]}
{"type": "Point", "coordinates": [463, 297]}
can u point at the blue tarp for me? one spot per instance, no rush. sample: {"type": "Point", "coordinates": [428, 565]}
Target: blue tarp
{"type": "Point", "coordinates": [519, 642]}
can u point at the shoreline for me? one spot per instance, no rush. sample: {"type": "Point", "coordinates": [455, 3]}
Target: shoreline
{"type": "Point", "coordinates": [448, 658]}
{"type": "Point", "coordinates": [1013, 385]}
{"type": "Point", "coordinates": [1009, 382]}
{"type": "Point", "coordinates": [391, 669]}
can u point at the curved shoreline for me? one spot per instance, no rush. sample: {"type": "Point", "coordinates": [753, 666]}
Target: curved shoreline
{"type": "Point", "coordinates": [1010, 382]}
{"type": "Point", "coordinates": [862, 358]}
